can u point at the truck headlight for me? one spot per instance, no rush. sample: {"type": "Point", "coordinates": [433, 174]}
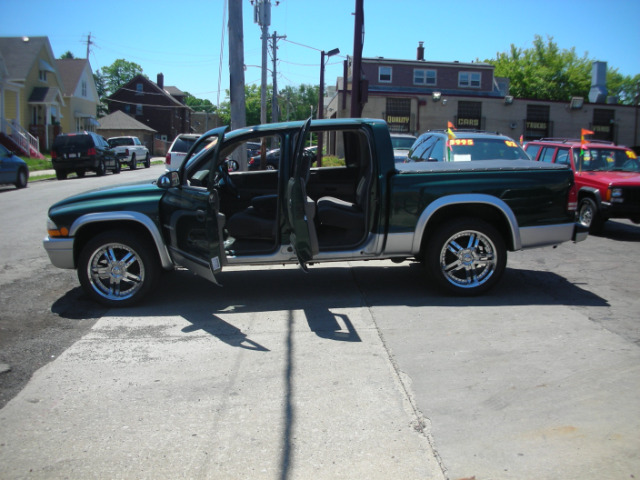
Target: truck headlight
{"type": "Point", "coordinates": [54, 231]}
{"type": "Point", "coordinates": [616, 195]}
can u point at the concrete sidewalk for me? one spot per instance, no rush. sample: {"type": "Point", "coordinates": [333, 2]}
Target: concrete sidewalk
{"type": "Point", "coordinates": [224, 395]}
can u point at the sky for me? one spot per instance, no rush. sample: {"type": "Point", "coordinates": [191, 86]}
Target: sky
{"type": "Point", "coordinates": [187, 40]}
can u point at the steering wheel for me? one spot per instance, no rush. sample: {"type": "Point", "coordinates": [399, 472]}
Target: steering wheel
{"type": "Point", "coordinates": [224, 181]}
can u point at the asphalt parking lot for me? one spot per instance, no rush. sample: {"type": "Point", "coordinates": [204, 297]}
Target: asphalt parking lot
{"type": "Point", "coordinates": [351, 371]}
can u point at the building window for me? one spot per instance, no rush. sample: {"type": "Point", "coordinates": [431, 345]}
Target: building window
{"type": "Point", "coordinates": [398, 114]}
{"type": "Point", "coordinates": [84, 88]}
{"type": "Point", "coordinates": [469, 79]}
{"type": "Point", "coordinates": [138, 109]}
{"type": "Point", "coordinates": [603, 120]}
{"type": "Point", "coordinates": [537, 124]}
{"type": "Point", "coordinates": [139, 90]}
{"type": "Point", "coordinates": [384, 74]}
{"type": "Point", "coordinates": [469, 115]}
{"type": "Point", "coordinates": [43, 75]}
{"type": "Point", "coordinates": [424, 77]}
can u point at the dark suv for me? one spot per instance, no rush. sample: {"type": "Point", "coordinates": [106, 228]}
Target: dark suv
{"type": "Point", "coordinates": [82, 151]}
{"type": "Point", "coordinates": [607, 177]}
{"type": "Point", "coordinates": [464, 146]}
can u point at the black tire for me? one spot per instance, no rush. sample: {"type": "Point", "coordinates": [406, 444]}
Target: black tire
{"type": "Point", "coordinates": [147, 161]}
{"type": "Point", "coordinates": [117, 168]}
{"type": "Point", "coordinates": [61, 174]}
{"type": "Point", "coordinates": [589, 216]}
{"type": "Point", "coordinates": [80, 173]}
{"type": "Point", "coordinates": [101, 170]}
{"type": "Point", "coordinates": [133, 165]}
{"type": "Point", "coordinates": [22, 178]}
{"type": "Point", "coordinates": [465, 256]}
{"type": "Point", "coordinates": [117, 268]}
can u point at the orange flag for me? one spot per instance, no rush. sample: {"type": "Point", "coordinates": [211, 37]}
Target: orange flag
{"type": "Point", "coordinates": [584, 132]}
{"type": "Point", "coordinates": [450, 125]}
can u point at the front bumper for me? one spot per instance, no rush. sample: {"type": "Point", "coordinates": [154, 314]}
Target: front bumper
{"type": "Point", "coordinates": [60, 251]}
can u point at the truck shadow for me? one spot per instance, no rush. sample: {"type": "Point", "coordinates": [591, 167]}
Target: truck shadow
{"type": "Point", "coordinates": [319, 294]}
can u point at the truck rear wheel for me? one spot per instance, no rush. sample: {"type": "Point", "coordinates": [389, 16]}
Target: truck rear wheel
{"type": "Point", "coordinates": [134, 163]}
{"type": "Point", "coordinates": [466, 256]}
{"type": "Point", "coordinates": [117, 268]}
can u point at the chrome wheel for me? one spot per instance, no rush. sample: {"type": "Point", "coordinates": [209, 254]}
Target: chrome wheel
{"type": "Point", "coordinates": [588, 215]}
{"type": "Point", "coordinates": [116, 272]}
{"type": "Point", "coordinates": [468, 259]}
{"type": "Point", "coordinates": [466, 256]}
{"type": "Point", "coordinates": [116, 268]}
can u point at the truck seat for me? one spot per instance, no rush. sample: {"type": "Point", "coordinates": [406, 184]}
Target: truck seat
{"type": "Point", "coordinates": [256, 222]}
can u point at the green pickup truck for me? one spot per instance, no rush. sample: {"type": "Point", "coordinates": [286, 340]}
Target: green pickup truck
{"type": "Point", "coordinates": [355, 203]}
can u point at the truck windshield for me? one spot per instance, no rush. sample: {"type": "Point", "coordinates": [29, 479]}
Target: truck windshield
{"type": "Point", "coordinates": [608, 159]}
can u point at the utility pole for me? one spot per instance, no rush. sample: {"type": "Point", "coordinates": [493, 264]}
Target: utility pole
{"type": "Point", "coordinates": [262, 16]}
{"type": "Point", "coordinates": [358, 42]}
{"type": "Point", "coordinates": [89, 43]}
{"type": "Point", "coordinates": [236, 73]}
{"type": "Point", "coordinates": [274, 96]}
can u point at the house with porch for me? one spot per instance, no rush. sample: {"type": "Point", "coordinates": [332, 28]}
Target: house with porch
{"type": "Point", "coordinates": [31, 95]}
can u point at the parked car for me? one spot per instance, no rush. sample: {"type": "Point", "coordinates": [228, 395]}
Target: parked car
{"type": "Point", "coordinates": [13, 170]}
{"type": "Point", "coordinates": [272, 160]}
{"type": "Point", "coordinates": [401, 143]}
{"type": "Point", "coordinates": [130, 151]}
{"type": "Point", "coordinates": [607, 176]}
{"type": "Point", "coordinates": [178, 150]}
{"type": "Point", "coordinates": [81, 152]}
{"type": "Point", "coordinates": [436, 146]}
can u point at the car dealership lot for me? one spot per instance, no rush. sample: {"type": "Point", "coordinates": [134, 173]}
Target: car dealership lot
{"type": "Point", "coordinates": [348, 371]}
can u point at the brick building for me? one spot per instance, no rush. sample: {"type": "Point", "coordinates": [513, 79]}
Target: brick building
{"type": "Point", "coordinates": [161, 108]}
{"type": "Point", "coordinates": [418, 95]}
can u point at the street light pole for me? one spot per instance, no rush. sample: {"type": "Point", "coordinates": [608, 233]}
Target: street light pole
{"type": "Point", "coordinates": [328, 54]}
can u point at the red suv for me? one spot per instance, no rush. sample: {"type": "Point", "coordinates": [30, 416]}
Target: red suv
{"type": "Point", "coordinates": [607, 177]}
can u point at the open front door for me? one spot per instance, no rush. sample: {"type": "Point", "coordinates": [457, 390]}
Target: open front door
{"type": "Point", "coordinates": [301, 209]}
{"type": "Point", "coordinates": [190, 210]}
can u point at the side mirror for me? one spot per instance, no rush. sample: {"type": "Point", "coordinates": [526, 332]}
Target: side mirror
{"type": "Point", "coordinates": [169, 180]}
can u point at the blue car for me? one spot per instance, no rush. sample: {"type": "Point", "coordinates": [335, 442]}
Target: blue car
{"type": "Point", "coordinates": [13, 170]}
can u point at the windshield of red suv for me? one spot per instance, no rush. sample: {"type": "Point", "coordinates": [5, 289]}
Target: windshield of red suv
{"type": "Point", "coordinates": [607, 159]}
{"type": "Point", "coordinates": [466, 149]}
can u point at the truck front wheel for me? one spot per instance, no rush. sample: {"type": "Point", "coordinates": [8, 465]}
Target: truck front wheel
{"type": "Point", "coordinates": [117, 268]}
{"type": "Point", "coordinates": [466, 256]}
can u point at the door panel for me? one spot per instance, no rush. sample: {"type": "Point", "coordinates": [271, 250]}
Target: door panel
{"type": "Point", "coordinates": [190, 215]}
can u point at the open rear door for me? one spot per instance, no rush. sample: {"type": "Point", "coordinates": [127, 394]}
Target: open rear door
{"type": "Point", "coordinates": [301, 210]}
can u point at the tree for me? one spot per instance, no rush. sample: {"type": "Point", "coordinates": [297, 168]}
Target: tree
{"type": "Point", "coordinates": [102, 94]}
{"type": "Point", "coordinates": [544, 72]}
{"type": "Point", "coordinates": [67, 55]}
{"type": "Point", "coordinates": [199, 104]}
{"type": "Point", "coordinates": [117, 74]}
{"type": "Point", "coordinates": [296, 103]}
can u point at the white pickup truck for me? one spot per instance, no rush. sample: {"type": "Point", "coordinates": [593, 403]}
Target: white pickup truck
{"type": "Point", "coordinates": [130, 150]}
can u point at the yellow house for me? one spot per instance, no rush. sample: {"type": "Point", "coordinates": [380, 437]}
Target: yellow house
{"type": "Point", "coordinates": [31, 94]}
{"type": "Point", "coordinates": [80, 95]}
